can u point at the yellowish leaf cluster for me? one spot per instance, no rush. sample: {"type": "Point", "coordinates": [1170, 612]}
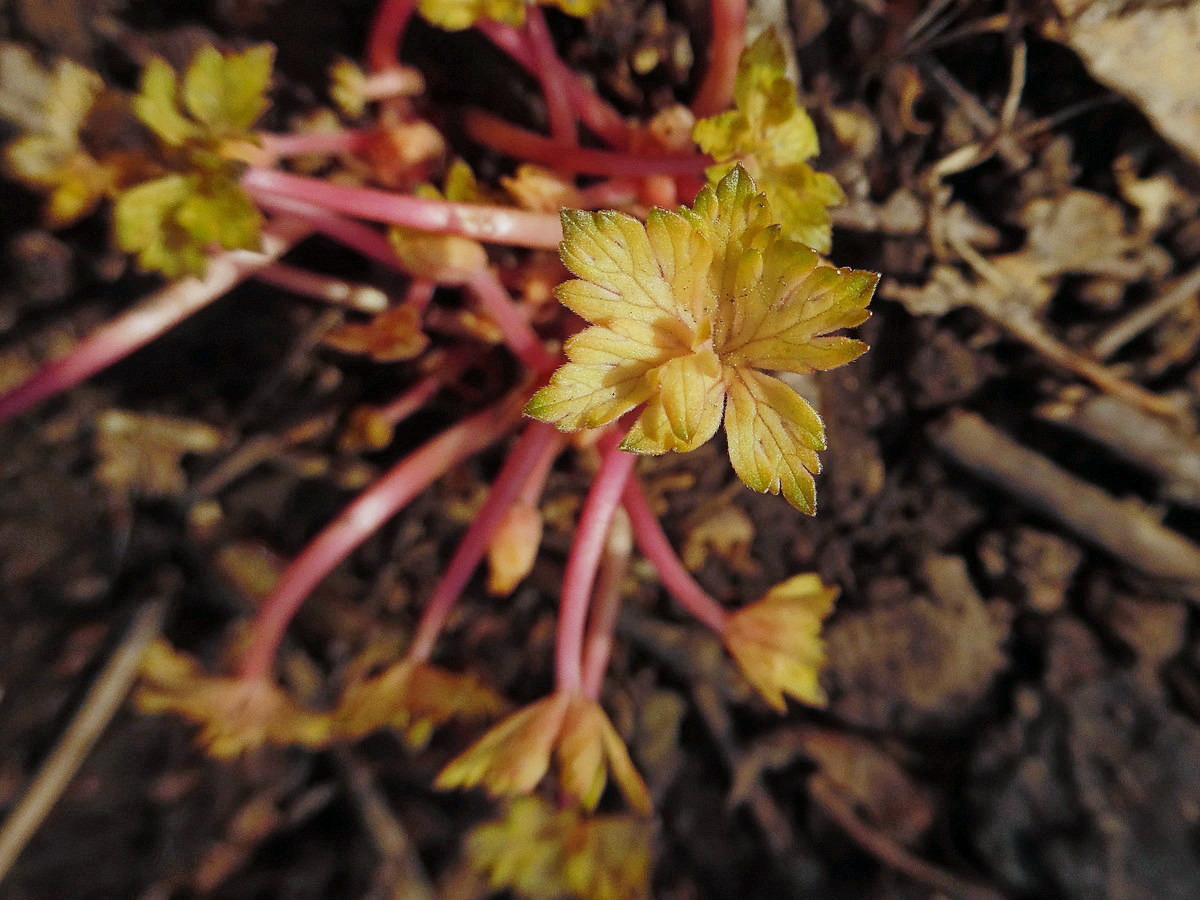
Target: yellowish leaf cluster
{"type": "Point", "coordinates": [776, 640]}
{"type": "Point", "coordinates": [514, 756]}
{"type": "Point", "coordinates": [414, 699]}
{"type": "Point", "coordinates": [773, 137]}
{"type": "Point", "coordinates": [455, 15]}
{"type": "Point", "coordinates": [543, 853]}
{"type": "Point", "coordinates": [687, 311]}
{"type": "Point", "coordinates": [171, 221]}
{"type": "Point", "coordinates": [236, 715]}
{"type": "Point", "coordinates": [54, 157]}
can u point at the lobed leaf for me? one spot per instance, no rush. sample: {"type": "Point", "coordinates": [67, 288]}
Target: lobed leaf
{"type": "Point", "coordinates": [777, 643]}
{"type": "Point", "coordinates": [773, 435]}
{"type": "Point", "coordinates": [226, 94]}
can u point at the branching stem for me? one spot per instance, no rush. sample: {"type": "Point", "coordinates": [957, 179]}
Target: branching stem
{"type": "Point", "coordinates": [519, 143]}
{"type": "Point", "coordinates": [533, 453]}
{"type": "Point", "coordinates": [655, 546]}
{"type": "Point", "coordinates": [519, 335]}
{"type": "Point", "coordinates": [594, 111]}
{"type": "Point", "coordinates": [492, 224]}
{"type": "Point", "coordinates": [724, 48]}
{"type": "Point", "coordinates": [548, 66]}
{"type": "Point", "coordinates": [150, 318]}
{"type": "Point", "coordinates": [363, 517]}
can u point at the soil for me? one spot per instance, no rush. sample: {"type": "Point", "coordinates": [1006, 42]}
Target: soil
{"type": "Point", "coordinates": [1014, 663]}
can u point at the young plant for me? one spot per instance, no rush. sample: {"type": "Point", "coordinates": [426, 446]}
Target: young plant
{"type": "Point", "coordinates": [687, 314]}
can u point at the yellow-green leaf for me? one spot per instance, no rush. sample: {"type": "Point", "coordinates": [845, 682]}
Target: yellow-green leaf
{"type": "Point", "coordinates": [455, 15]}
{"type": "Point", "coordinates": [686, 409]}
{"type": "Point", "coordinates": [542, 852]}
{"type": "Point", "coordinates": [777, 643]}
{"type": "Point", "coordinates": [157, 104]}
{"type": "Point", "coordinates": [687, 311]}
{"type": "Point", "coordinates": [773, 137]}
{"type": "Point", "coordinates": [773, 435]}
{"type": "Point", "coordinates": [227, 94]}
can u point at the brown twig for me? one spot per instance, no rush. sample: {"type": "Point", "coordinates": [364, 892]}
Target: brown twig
{"type": "Point", "coordinates": [1122, 527]}
{"type": "Point", "coordinates": [103, 700]}
{"type": "Point", "coordinates": [1125, 330]}
{"type": "Point", "coordinates": [887, 850]}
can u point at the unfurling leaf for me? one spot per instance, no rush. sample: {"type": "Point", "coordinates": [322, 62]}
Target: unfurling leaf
{"type": "Point", "coordinates": [514, 755]}
{"type": "Point", "coordinates": [687, 311]}
{"type": "Point", "coordinates": [444, 258]}
{"type": "Point", "coordinates": [776, 640]}
{"type": "Point", "coordinates": [391, 336]}
{"type": "Point", "coordinates": [236, 715]}
{"type": "Point", "coordinates": [774, 138]}
{"type": "Point", "coordinates": [513, 548]}
{"type": "Point", "coordinates": [543, 853]}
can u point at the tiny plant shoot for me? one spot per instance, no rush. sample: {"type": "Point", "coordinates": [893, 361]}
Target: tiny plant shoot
{"type": "Point", "coordinates": [688, 312]}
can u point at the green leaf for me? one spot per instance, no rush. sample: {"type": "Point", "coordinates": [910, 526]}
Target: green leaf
{"type": "Point", "coordinates": [157, 104]}
{"type": "Point", "coordinates": [227, 94]}
{"type": "Point", "coordinates": [773, 137]}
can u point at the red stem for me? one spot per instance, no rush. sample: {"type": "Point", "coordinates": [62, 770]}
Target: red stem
{"type": "Point", "coordinates": [600, 118]}
{"type": "Point", "coordinates": [520, 143]}
{"type": "Point", "coordinates": [358, 521]}
{"type": "Point", "coordinates": [606, 606]}
{"type": "Point", "coordinates": [150, 318]}
{"type": "Point", "coordinates": [283, 146]}
{"type": "Point", "coordinates": [653, 542]}
{"type": "Point", "coordinates": [555, 91]}
{"type": "Point", "coordinates": [492, 224]}
{"type": "Point", "coordinates": [410, 401]}
{"type": "Point", "coordinates": [362, 297]}
{"type": "Point", "coordinates": [358, 237]}
{"type": "Point", "coordinates": [724, 48]}
{"type": "Point", "coordinates": [534, 452]}
{"type": "Point", "coordinates": [590, 535]}
{"type": "Point", "coordinates": [387, 30]}
{"type": "Point", "coordinates": [519, 335]}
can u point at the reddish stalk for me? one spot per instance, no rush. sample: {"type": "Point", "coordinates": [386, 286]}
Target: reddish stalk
{"type": "Point", "coordinates": [150, 318]}
{"type": "Point", "coordinates": [606, 605]}
{"type": "Point", "coordinates": [284, 146]}
{"type": "Point", "coordinates": [519, 335]}
{"type": "Point", "coordinates": [387, 30]}
{"type": "Point", "coordinates": [411, 400]}
{"type": "Point", "coordinates": [420, 294]}
{"type": "Point", "coordinates": [532, 455]}
{"type": "Point", "coordinates": [725, 46]}
{"type": "Point", "coordinates": [366, 514]}
{"type": "Point", "coordinates": [492, 224]}
{"type": "Point", "coordinates": [358, 237]}
{"type": "Point", "coordinates": [590, 535]}
{"type": "Point", "coordinates": [547, 64]}
{"type": "Point", "coordinates": [520, 143]}
{"type": "Point", "coordinates": [362, 297]}
{"type": "Point", "coordinates": [595, 112]}
{"type": "Point", "coordinates": [655, 546]}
